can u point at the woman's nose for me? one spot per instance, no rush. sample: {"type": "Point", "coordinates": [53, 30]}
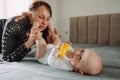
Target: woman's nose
{"type": "Point", "coordinates": [44, 21]}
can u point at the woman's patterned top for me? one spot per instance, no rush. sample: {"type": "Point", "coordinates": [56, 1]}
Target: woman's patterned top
{"type": "Point", "coordinates": [14, 38]}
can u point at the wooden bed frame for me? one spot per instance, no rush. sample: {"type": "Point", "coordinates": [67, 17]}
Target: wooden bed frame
{"type": "Point", "coordinates": [96, 29]}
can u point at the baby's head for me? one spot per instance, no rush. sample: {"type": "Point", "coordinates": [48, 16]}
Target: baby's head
{"type": "Point", "coordinates": [86, 61]}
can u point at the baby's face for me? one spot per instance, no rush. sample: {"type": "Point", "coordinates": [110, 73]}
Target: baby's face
{"type": "Point", "coordinates": [86, 61]}
{"type": "Point", "coordinates": [76, 58]}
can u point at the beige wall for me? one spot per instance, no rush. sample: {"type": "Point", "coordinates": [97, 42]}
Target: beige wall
{"type": "Point", "coordinates": [69, 8]}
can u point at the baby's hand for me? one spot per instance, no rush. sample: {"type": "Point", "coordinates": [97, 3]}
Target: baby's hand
{"type": "Point", "coordinates": [36, 24]}
{"type": "Point", "coordinates": [55, 39]}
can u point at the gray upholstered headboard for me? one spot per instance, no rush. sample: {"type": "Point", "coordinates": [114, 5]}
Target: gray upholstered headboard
{"type": "Point", "coordinates": [96, 29]}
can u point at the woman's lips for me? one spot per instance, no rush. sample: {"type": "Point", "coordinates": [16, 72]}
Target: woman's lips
{"type": "Point", "coordinates": [41, 28]}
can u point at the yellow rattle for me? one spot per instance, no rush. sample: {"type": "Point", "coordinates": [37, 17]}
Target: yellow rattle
{"type": "Point", "coordinates": [63, 49]}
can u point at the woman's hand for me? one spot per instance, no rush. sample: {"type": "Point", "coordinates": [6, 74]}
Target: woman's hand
{"type": "Point", "coordinates": [31, 40]}
{"type": "Point", "coordinates": [33, 35]}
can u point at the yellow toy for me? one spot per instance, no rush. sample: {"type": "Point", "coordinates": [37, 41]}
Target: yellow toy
{"type": "Point", "coordinates": [63, 49]}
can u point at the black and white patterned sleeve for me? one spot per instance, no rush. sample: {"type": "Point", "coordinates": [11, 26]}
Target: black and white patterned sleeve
{"type": "Point", "coordinates": [12, 48]}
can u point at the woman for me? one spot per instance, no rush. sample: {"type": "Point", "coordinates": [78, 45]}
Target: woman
{"type": "Point", "coordinates": [20, 35]}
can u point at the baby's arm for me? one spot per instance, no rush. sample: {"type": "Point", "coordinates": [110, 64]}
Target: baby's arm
{"type": "Point", "coordinates": [40, 41]}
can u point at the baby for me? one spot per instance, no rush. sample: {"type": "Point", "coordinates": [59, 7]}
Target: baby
{"type": "Point", "coordinates": [60, 55]}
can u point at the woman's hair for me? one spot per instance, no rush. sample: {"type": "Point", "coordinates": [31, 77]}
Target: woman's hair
{"type": "Point", "coordinates": [37, 4]}
{"type": "Point", "coordinates": [45, 34]}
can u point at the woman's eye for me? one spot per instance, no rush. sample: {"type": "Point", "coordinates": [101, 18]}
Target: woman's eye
{"type": "Point", "coordinates": [40, 16]}
{"type": "Point", "coordinates": [82, 50]}
{"type": "Point", "coordinates": [48, 19]}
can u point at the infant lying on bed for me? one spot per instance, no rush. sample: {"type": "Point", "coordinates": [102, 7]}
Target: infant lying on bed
{"type": "Point", "coordinates": [60, 55]}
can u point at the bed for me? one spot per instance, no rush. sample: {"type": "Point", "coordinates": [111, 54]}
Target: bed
{"type": "Point", "coordinates": [30, 69]}
{"type": "Point", "coordinates": [97, 32]}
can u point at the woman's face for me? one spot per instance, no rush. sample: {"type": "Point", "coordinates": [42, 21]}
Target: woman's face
{"type": "Point", "coordinates": [42, 16]}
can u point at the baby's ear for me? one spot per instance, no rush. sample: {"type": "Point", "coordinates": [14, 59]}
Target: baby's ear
{"type": "Point", "coordinates": [80, 71]}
